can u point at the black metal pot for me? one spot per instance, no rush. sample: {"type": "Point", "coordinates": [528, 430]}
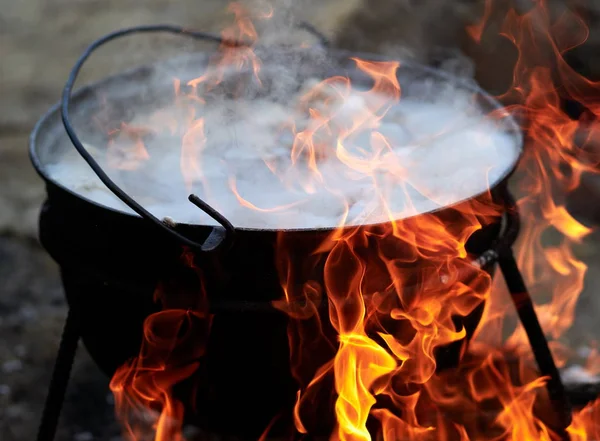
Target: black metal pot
{"type": "Point", "coordinates": [112, 261]}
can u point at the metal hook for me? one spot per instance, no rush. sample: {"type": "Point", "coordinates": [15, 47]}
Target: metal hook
{"type": "Point", "coordinates": [215, 240]}
{"type": "Point", "coordinates": [219, 236]}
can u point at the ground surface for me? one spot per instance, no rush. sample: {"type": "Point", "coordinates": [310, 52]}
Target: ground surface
{"type": "Point", "coordinates": [39, 41]}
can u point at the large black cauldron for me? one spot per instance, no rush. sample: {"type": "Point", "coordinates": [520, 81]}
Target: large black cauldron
{"type": "Point", "coordinates": [111, 262]}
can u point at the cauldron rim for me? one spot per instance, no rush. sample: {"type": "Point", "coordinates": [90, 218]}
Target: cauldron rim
{"type": "Point", "coordinates": [510, 122]}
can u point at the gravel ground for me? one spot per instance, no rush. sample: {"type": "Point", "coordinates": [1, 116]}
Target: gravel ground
{"type": "Point", "coordinates": [39, 41]}
{"type": "Point", "coordinates": [32, 312]}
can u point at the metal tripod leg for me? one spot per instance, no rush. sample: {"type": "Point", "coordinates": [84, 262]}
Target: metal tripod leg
{"type": "Point", "coordinates": [539, 345]}
{"type": "Point", "coordinates": [60, 379]}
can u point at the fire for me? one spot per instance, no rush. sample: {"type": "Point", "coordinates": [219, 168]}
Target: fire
{"type": "Point", "coordinates": [122, 155]}
{"type": "Point", "coordinates": [174, 339]}
{"type": "Point", "coordinates": [401, 295]}
{"type": "Point", "coordinates": [552, 165]}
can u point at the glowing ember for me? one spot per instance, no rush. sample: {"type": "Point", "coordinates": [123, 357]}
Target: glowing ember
{"type": "Point", "coordinates": [394, 290]}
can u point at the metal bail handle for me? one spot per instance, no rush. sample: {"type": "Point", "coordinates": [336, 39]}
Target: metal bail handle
{"type": "Point", "coordinates": [221, 236]}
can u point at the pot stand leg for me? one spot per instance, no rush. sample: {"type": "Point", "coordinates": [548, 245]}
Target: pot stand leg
{"type": "Point", "coordinates": [539, 345]}
{"type": "Point", "coordinates": [60, 379]}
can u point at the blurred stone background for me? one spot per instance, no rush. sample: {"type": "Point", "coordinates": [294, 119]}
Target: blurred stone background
{"type": "Point", "coordinates": [39, 42]}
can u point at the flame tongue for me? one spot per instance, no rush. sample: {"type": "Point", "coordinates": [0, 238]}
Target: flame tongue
{"type": "Point", "coordinates": [374, 357]}
{"type": "Point", "coordinates": [174, 339]}
{"type": "Point", "coordinates": [403, 296]}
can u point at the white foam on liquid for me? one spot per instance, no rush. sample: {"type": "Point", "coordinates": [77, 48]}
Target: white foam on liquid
{"type": "Point", "coordinates": [441, 151]}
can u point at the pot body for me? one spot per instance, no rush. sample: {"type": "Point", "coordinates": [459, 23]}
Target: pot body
{"type": "Point", "coordinates": [111, 264]}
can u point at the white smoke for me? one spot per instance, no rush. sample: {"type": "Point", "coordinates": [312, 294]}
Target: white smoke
{"type": "Point", "coordinates": [437, 134]}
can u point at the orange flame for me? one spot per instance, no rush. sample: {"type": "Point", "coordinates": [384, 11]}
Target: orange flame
{"type": "Point", "coordinates": [174, 339]}
{"type": "Point", "coordinates": [404, 297]}
{"type": "Point", "coordinates": [552, 165]}
{"type": "Point", "coordinates": [121, 155]}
